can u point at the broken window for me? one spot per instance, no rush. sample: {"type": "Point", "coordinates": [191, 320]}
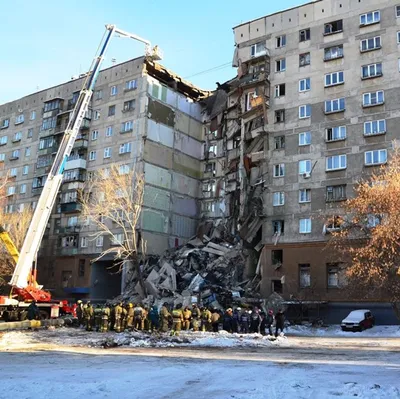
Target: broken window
{"type": "Point", "coordinates": [279, 170]}
{"type": "Point", "coordinates": [278, 226]}
{"type": "Point", "coordinates": [304, 35]}
{"type": "Point", "coordinates": [111, 110]}
{"type": "Point", "coordinates": [281, 41]}
{"type": "Point", "coordinates": [280, 116]}
{"type": "Point", "coordinates": [277, 257]}
{"type": "Point", "coordinates": [304, 59]}
{"type": "Point", "coordinates": [333, 52]}
{"type": "Point", "coordinates": [129, 105]}
{"type": "Point", "coordinates": [81, 269]}
{"type": "Point", "coordinates": [209, 167]}
{"type": "Point", "coordinates": [280, 90]}
{"type": "Point", "coordinates": [304, 275]}
{"type": "Point", "coordinates": [277, 286]}
{"type": "Point", "coordinates": [279, 142]}
{"type": "Point", "coordinates": [280, 65]}
{"type": "Point", "coordinates": [332, 275]}
{"type": "Point", "coordinates": [336, 133]}
{"type": "Point", "coordinates": [333, 27]}
{"type": "Point", "coordinates": [258, 49]}
{"type": "Point", "coordinates": [69, 241]}
{"type": "Point", "coordinates": [334, 223]}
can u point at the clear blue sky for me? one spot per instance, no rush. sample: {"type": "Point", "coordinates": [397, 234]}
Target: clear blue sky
{"type": "Point", "coordinates": [44, 43]}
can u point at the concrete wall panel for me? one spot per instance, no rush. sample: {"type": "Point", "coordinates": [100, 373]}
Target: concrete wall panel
{"type": "Point", "coordinates": [156, 198]}
{"type": "Point", "coordinates": [185, 206]}
{"type": "Point", "coordinates": [157, 176]}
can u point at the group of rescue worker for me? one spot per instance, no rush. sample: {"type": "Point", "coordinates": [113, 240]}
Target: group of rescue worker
{"type": "Point", "coordinates": [130, 316]}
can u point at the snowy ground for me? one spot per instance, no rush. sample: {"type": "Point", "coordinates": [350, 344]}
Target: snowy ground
{"type": "Point", "coordinates": [71, 363]}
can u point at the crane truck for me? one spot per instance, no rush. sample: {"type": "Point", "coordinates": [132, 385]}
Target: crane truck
{"type": "Point", "coordinates": [24, 286]}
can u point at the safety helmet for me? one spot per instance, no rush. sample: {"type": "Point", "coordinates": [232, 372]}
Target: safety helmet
{"type": "Point", "coordinates": [79, 301]}
{"type": "Point", "coordinates": [239, 309]}
{"type": "Point", "coordinates": [130, 305]}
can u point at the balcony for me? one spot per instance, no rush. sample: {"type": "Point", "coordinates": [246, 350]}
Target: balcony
{"type": "Point", "coordinates": [257, 156]}
{"type": "Point", "coordinates": [46, 133]}
{"type": "Point", "coordinates": [71, 207]}
{"type": "Point", "coordinates": [67, 251]}
{"type": "Point", "coordinates": [78, 163]}
{"type": "Point", "coordinates": [70, 177]}
{"type": "Point", "coordinates": [49, 150]}
{"type": "Point", "coordinates": [85, 124]}
{"type": "Point", "coordinates": [69, 229]}
{"type": "Point", "coordinates": [233, 154]}
{"type": "Point", "coordinates": [80, 143]}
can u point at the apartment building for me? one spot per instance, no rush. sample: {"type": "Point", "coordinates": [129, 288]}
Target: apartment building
{"type": "Point", "coordinates": [141, 115]}
{"type": "Point", "coordinates": [324, 76]}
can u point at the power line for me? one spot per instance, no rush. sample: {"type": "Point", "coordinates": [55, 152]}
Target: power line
{"type": "Point", "coordinates": [218, 67]}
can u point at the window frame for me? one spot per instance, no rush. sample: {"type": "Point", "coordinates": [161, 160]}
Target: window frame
{"type": "Point", "coordinates": [278, 90]}
{"type": "Point", "coordinates": [340, 158]}
{"type": "Point", "coordinates": [92, 155]}
{"type": "Point", "coordinates": [281, 61]}
{"type": "Point", "coordinates": [281, 168]}
{"type": "Point", "coordinates": [305, 226]}
{"type": "Point", "coordinates": [333, 32]}
{"type": "Point", "coordinates": [278, 198]}
{"type": "Point", "coordinates": [304, 134]}
{"type": "Point", "coordinates": [305, 107]}
{"type": "Point", "coordinates": [340, 136]}
{"type": "Point", "coordinates": [305, 81]}
{"type": "Point", "coordinates": [332, 76]}
{"type": "Point", "coordinates": [108, 130]}
{"type": "Point", "coordinates": [307, 192]}
{"type": "Point", "coordinates": [113, 90]}
{"type": "Point", "coordinates": [304, 267]}
{"type": "Point", "coordinates": [334, 189]}
{"type": "Point", "coordinates": [370, 95]}
{"type": "Point", "coordinates": [339, 102]}
{"type": "Point", "coordinates": [280, 41]}
{"type": "Point", "coordinates": [339, 48]}
{"type": "Point", "coordinates": [307, 59]}
{"type": "Point", "coordinates": [282, 113]}
{"type": "Point", "coordinates": [256, 53]}
{"type": "Point", "coordinates": [109, 152]}
{"type": "Point", "coordinates": [307, 32]}
{"type": "Point", "coordinates": [378, 132]}
{"type": "Point", "coordinates": [308, 166]}
{"type": "Point", "coordinates": [379, 162]}
{"type": "Point", "coordinates": [365, 15]}
{"type": "Point", "coordinates": [369, 68]}
{"type": "Point", "coordinates": [375, 39]}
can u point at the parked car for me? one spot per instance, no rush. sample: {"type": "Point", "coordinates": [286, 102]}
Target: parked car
{"type": "Point", "coordinates": [358, 320]}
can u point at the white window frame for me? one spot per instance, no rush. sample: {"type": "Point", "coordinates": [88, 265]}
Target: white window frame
{"type": "Point", "coordinates": [125, 148]}
{"type": "Point", "coordinates": [376, 44]}
{"type": "Point", "coordinates": [280, 41]}
{"type": "Point", "coordinates": [96, 115]}
{"type": "Point", "coordinates": [3, 140]}
{"type": "Point", "coordinates": [373, 70]}
{"type": "Point", "coordinates": [380, 155]}
{"type": "Point", "coordinates": [372, 128]}
{"type": "Point", "coordinates": [280, 167]}
{"type": "Point", "coordinates": [338, 133]}
{"type": "Point", "coordinates": [306, 59]}
{"type": "Point", "coordinates": [375, 17]}
{"type": "Point", "coordinates": [95, 135]}
{"type": "Point", "coordinates": [304, 32]}
{"type": "Point", "coordinates": [84, 242]}
{"type": "Point", "coordinates": [19, 119]}
{"type": "Point", "coordinates": [126, 126]}
{"type": "Point", "coordinates": [15, 154]}
{"type": "Point", "coordinates": [398, 37]}
{"type": "Point", "coordinates": [25, 169]}
{"type": "Point", "coordinates": [99, 242]}
{"type": "Point", "coordinates": [258, 49]}
{"type": "Point", "coordinates": [10, 191]}
{"type": "Point", "coordinates": [107, 152]}
{"type": "Point", "coordinates": [13, 172]}
{"type": "Point", "coordinates": [304, 85]}
{"type": "Point", "coordinates": [124, 169]}
{"type": "Point", "coordinates": [337, 50]}
{"type": "Point", "coordinates": [305, 111]}
{"type": "Point", "coordinates": [131, 84]}
{"type": "Point", "coordinates": [282, 65]}
{"type": "Point", "coordinates": [92, 155]}
{"type": "Point", "coordinates": [334, 79]}
{"type": "Point", "coordinates": [114, 90]}
{"type": "Point", "coordinates": [2, 157]}
{"type": "Point", "coordinates": [333, 106]}
{"type": "Point", "coordinates": [278, 90]}
{"type": "Point", "coordinates": [109, 131]}
{"type": "Point", "coordinates": [305, 226]}
{"type": "Point", "coordinates": [305, 166]}
{"type": "Point", "coordinates": [22, 189]}
{"type": "Point", "coordinates": [33, 115]}
{"type": "Point", "coordinates": [278, 198]}
{"type": "Point", "coordinates": [17, 136]}
{"type": "Point", "coordinates": [341, 161]}
{"type": "Point", "coordinates": [397, 11]}
{"type": "Point", "coordinates": [373, 95]}
{"type": "Point", "coordinates": [304, 195]}
{"type": "Point", "coordinates": [304, 138]}
{"type": "Point", "coordinates": [27, 151]}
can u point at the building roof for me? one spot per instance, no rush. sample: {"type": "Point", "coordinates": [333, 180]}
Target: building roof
{"type": "Point", "coordinates": [278, 12]}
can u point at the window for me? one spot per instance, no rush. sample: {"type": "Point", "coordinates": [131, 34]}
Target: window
{"type": "Point", "coordinates": [107, 152]}
{"type": "Point", "coordinates": [95, 135]}
{"type": "Point", "coordinates": [278, 198]}
{"type": "Point", "coordinates": [33, 115]}
{"type": "Point", "coordinates": [371, 71]}
{"type": "Point", "coordinates": [99, 241]}
{"type": "Point", "coordinates": [278, 226]}
{"type": "Point", "coordinates": [98, 95]}
{"type": "Point", "coordinates": [81, 270]}
{"type": "Point", "coordinates": [280, 41]}
{"type": "Point", "coordinates": [373, 221]}
{"type": "Point", "coordinates": [304, 59]}
{"type": "Point", "coordinates": [17, 137]}
{"type": "Point", "coordinates": [45, 143]}
{"type": "Point", "coordinates": [127, 127]}
{"type": "Point", "coordinates": [305, 138]}
{"type": "Point", "coordinates": [96, 115]}
{"type": "Point", "coordinates": [92, 155]}
{"type": "Point", "coordinates": [72, 221]}
{"type": "Point", "coordinates": [2, 157]}
{"type": "Point", "coordinates": [280, 90]}
{"type": "Point", "coordinates": [375, 127]}
{"type": "Point", "coordinates": [114, 91]}
{"type": "Point", "coordinates": [370, 44]}
{"type": "Point", "coordinates": [109, 131]}
{"type": "Point", "coordinates": [159, 91]}
{"type": "Point", "coordinates": [336, 162]}
{"type": "Point", "coordinates": [124, 169]}
{"type": "Point", "coordinates": [374, 98]}
{"type": "Point", "coordinates": [9, 208]}
{"type": "Point", "coordinates": [304, 275]}
{"type": "Point", "coordinates": [304, 35]}
{"type": "Point", "coordinates": [337, 105]}
{"type": "Point", "coordinates": [49, 123]}
{"type": "Point", "coordinates": [333, 79]}
{"type": "Point", "coordinates": [335, 223]}
{"type": "Point", "coordinates": [304, 195]}
{"type": "Point", "coordinates": [125, 148]}
{"type": "Point", "coordinates": [280, 65]}
{"type": "Point", "coordinates": [336, 133]}
{"type": "Point", "coordinates": [333, 27]}
{"type": "Point", "coordinates": [279, 170]}
{"type": "Point", "coordinates": [111, 110]}
{"type": "Point", "coordinates": [28, 151]}
{"type": "Point", "coordinates": [333, 52]}
{"type": "Point", "coordinates": [25, 169]}
{"type": "Point", "coordinates": [84, 242]}
{"type": "Point", "coordinates": [304, 166]}
{"type": "Point", "coordinates": [370, 18]}
{"type": "Point", "coordinates": [398, 37]}
{"type": "Point", "coordinates": [30, 133]}
{"type": "Point", "coordinates": [22, 189]}
{"type": "Point", "coordinates": [258, 49]}
{"type": "Point", "coordinates": [280, 116]}
{"type": "Point", "coordinates": [118, 239]}
{"type": "Point", "coordinates": [277, 257]}
{"type": "Point", "coordinates": [376, 157]}
{"type": "Point", "coordinates": [131, 85]}
{"type": "Point", "coordinates": [305, 111]}
{"type": "Point", "coordinates": [52, 105]}
{"type": "Point", "coordinates": [249, 96]}
{"type": "Point", "coordinates": [279, 142]}
{"type": "Point", "coordinates": [277, 286]}
{"type": "Point", "coordinates": [397, 11]}
{"type": "Point", "coordinates": [5, 123]}
{"type": "Point", "coordinates": [305, 226]}
{"type": "Point", "coordinates": [19, 119]}
{"type": "Point", "coordinates": [209, 167]}
{"type": "Point", "coordinates": [129, 106]}
{"type": "Point", "coordinates": [10, 190]}
{"type": "Point", "coordinates": [13, 172]}
{"type": "Point", "coordinates": [15, 154]}
{"type": "Point", "coordinates": [3, 140]}
{"type": "Point", "coordinates": [304, 84]}
{"type": "Point", "coordinates": [333, 275]}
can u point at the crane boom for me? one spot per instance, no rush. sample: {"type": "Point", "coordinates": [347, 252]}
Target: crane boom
{"type": "Point", "coordinates": [22, 277]}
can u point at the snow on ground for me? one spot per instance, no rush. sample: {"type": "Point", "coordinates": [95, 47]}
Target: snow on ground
{"type": "Point", "coordinates": [336, 331]}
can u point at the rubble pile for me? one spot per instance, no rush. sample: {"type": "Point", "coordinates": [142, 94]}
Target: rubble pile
{"type": "Point", "coordinates": [207, 271]}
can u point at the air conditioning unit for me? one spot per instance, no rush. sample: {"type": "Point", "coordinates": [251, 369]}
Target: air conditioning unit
{"type": "Point", "coordinates": [306, 175]}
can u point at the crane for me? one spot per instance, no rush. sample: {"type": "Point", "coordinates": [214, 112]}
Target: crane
{"type": "Point", "coordinates": [23, 281]}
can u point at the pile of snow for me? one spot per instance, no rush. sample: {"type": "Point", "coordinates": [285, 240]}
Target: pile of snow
{"type": "Point", "coordinates": [336, 331]}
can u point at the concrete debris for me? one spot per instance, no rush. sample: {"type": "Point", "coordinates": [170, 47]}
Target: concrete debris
{"type": "Point", "coordinates": [209, 271]}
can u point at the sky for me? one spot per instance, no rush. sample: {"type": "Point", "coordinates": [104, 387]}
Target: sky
{"type": "Point", "coordinates": [45, 43]}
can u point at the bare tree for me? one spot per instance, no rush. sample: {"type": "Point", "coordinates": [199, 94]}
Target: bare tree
{"type": "Point", "coordinates": [369, 236]}
{"type": "Point", "coordinates": [112, 201]}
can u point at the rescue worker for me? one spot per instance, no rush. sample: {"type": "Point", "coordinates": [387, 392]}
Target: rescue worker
{"type": "Point", "coordinates": [205, 319]}
{"type": "Point", "coordinates": [267, 322]}
{"type": "Point", "coordinates": [177, 318]}
{"type": "Point", "coordinates": [117, 317]}
{"type": "Point", "coordinates": [98, 313]}
{"type": "Point", "coordinates": [124, 316]}
{"type": "Point", "coordinates": [228, 320]}
{"type": "Point", "coordinates": [279, 321]}
{"type": "Point", "coordinates": [255, 321]}
{"type": "Point", "coordinates": [187, 315]}
{"type": "Point", "coordinates": [111, 322]}
{"type": "Point", "coordinates": [33, 311]}
{"type": "Point", "coordinates": [129, 317]}
{"type": "Point", "coordinates": [88, 313]}
{"type": "Point", "coordinates": [137, 317]}
{"type": "Point", "coordinates": [164, 315]}
{"type": "Point", "coordinates": [235, 320]}
{"type": "Point", "coordinates": [244, 322]}
{"type": "Point", "coordinates": [105, 318]}
{"type": "Point", "coordinates": [215, 316]}
{"type": "Point", "coordinates": [145, 320]}
{"type": "Point", "coordinates": [79, 312]}
{"type": "Point", "coordinates": [154, 319]}
{"type": "Point", "coordinates": [195, 318]}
